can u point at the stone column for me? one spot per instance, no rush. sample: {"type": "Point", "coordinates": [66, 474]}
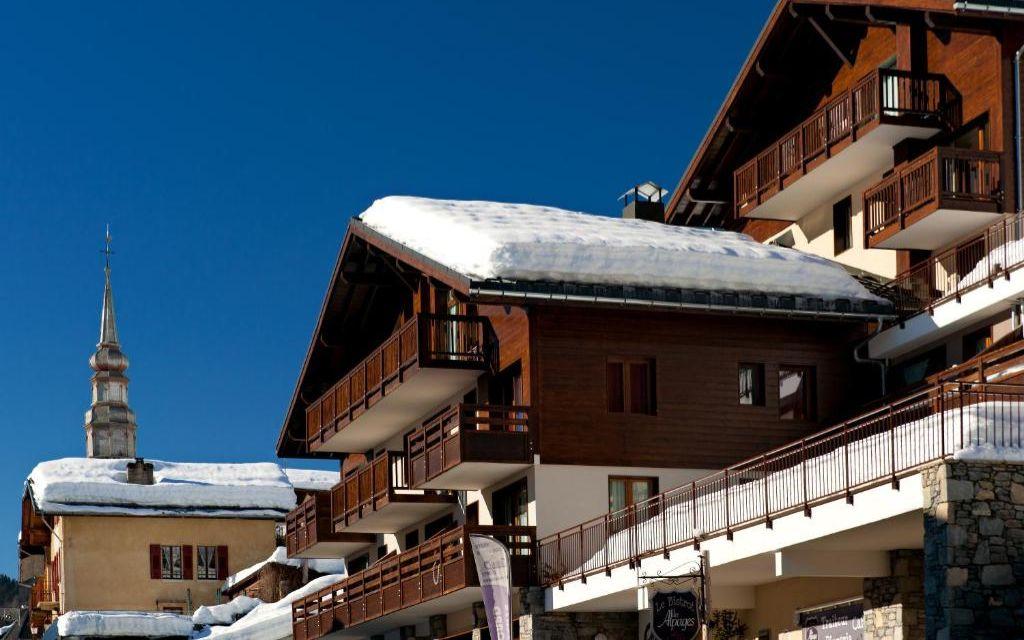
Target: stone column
{"type": "Point", "coordinates": [974, 550]}
{"type": "Point", "coordinates": [894, 606]}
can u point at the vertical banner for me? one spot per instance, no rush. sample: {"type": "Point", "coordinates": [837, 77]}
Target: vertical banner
{"type": "Point", "coordinates": [494, 569]}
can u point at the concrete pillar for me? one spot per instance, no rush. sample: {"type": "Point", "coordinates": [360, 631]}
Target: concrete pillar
{"type": "Point", "coordinates": [894, 605]}
{"type": "Point", "coordinates": [973, 550]}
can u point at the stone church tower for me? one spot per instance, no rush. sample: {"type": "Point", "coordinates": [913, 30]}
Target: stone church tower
{"type": "Point", "coordinates": [109, 422]}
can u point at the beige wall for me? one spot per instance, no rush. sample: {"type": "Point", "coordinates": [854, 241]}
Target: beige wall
{"type": "Point", "coordinates": [777, 602]}
{"type": "Point", "coordinates": [106, 559]}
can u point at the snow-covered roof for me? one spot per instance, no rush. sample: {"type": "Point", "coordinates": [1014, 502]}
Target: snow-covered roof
{"type": "Point", "coordinates": [280, 556]}
{"type": "Point", "coordinates": [85, 486]}
{"type": "Point", "coordinates": [107, 624]}
{"type": "Point", "coordinates": [312, 479]}
{"type": "Point", "coordinates": [490, 241]}
{"type": "Point", "coordinates": [271, 621]}
{"type": "Point", "coordinates": [225, 613]}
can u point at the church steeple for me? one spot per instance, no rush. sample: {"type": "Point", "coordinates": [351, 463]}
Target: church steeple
{"type": "Point", "coordinates": [109, 422]}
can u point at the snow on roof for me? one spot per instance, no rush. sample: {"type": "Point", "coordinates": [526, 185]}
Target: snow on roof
{"type": "Point", "coordinates": [312, 479]}
{"type": "Point", "coordinates": [520, 242]}
{"type": "Point", "coordinates": [123, 623]}
{"type": "Point", "coordinates": [271, 621]}
{"type": "Point", "coordinates": [226, 613]}
{"type": "Point", "coordinates": [280, 556]}
{"type": "Point", "coordinates": [101, 487]}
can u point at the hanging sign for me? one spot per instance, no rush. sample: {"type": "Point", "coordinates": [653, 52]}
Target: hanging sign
{"type": "Point", "coordinates": [675, 615]}
{"type": "Point", "coordinates": [839, 622]}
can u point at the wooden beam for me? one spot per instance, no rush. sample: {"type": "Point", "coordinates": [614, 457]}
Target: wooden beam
{"type": "Point", "coordinates": [830, 42]}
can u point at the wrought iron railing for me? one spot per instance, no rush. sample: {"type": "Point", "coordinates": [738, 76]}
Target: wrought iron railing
{"type": "Point", "coordinates": [872, 449]}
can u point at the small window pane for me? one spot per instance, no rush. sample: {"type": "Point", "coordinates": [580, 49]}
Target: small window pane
{"type": "Point", "coordinates": [616, 494]}
{"type": "Point", "coordinates": [751, 384]}
{"type": "Point", "coordinates": [796, 393]}
{"type": "Point", "coordinates": [641, 490]}
{"type": "Point", "coordinates": [639, 388]}
{"type": "Point", "coordinates": [614, 374]}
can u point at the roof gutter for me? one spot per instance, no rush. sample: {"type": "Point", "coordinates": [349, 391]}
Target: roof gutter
{"type": "Point", "coordinates": [660, 304]}
{"type": "Point", "coordinates": [988, 8]}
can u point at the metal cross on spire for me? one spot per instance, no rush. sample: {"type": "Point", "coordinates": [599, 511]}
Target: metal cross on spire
{"type": "Point", "coordinates": [107, 251]}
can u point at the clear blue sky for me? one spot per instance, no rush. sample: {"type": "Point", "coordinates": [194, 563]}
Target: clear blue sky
{"type": "Point", "coordinates": [228, 143]}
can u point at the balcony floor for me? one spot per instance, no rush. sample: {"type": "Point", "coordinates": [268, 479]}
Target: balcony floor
{"type": "Point", "coordinates": [473, 476]}
{"type": "Point", "coordinates": [454, 601]}
{"type": "Point", "coordinates": [934, 230]}
{"type": "Point", "coordinates": [335, 549]}
{"type": "Point", "coordinates": [827, 178]}
{"type": "Point", "coordinates": [423, 389]}
{"type": "Point", "coordinates": [405, 510]}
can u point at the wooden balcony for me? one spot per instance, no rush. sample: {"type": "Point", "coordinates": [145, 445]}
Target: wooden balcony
{"type": "Point", "coordinates": [428, 359]}
{"type": "Point", "coordinates": [377, 498]}
{"type": "Point", "coordinates": [309, 531]}
{"type": "Point", "coordinates": [935, 200]}
{"type": "Point", "coordinates": [843, 143]}
{"type": "Point", "coordinates": [438, 576]}
{"type": "Point", "coordinates": [470, 447]}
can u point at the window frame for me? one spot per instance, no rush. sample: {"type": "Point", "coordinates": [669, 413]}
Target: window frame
{"type": "Point", "coordinates": [169, 573]}
{"type": "Point", "coordinates": [624, 403]}
{"type": "Point", "coordinates": [630, 499]}
{"type": "Point", "coordinates": [842, 210]}
{"type": "Point", "coordinates": [810, 409]}
{"type": "Point", "coordinates": [759, 396]}
{"type": "Point", "coordinates": [203, 573]}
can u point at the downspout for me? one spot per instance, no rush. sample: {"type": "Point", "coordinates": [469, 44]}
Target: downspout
{"type": "Point", "coordinates": [881, 363]}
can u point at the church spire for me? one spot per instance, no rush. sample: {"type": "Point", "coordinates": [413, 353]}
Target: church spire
{"type": "Point", "coordinates": [109, 422]}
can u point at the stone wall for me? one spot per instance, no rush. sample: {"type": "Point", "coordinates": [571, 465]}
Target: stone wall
{"type": "Point", "coordinates": [894, 606]}
{"type": "Point", "coordinates": [579, 626]}
{"type": "Point", "coordinates": [974, 550]}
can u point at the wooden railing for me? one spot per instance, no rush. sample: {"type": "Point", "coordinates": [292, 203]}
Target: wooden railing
{"type": "Point", "coordinates": [41, 592]}
{"type": "Point", "coordinates": [887, 95]}
{"type": "Point", "coordinates": [943, 177]}
{"type": "Point", "coordinates": [439, 566]}
{"type": "Point", "coordinates": [870, 450]}
{"type": "Point", "coordinates": [481, 433]}
{"type": "Point", "coordinates": [426, 340]}
{"type": "Point", "coordinates": [995, 253]}
{"type": "Point", "coordinates": [308, 523]}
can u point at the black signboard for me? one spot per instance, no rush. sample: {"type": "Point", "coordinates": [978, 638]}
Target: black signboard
{"type": "Point", "coordinates": [676, 615]}
{"type": "Point", "coordinates": [840, 622]}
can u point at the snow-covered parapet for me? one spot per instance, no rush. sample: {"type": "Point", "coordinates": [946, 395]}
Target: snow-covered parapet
{"type": "Point", "coordinates": [518, 242]}
{"type": "Point", "coordinates": [113, 624]}
{"type": "Point", "coordinates": [98, 486]}
{"type": "Point", "coordinates": [226, 613]}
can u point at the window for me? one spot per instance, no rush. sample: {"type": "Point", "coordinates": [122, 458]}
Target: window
{"type": "Point", "coordinates": [842, 225]}
{"type": "Point", "coordinates": [511, 505]}
{"type": "Point", "coordinates": [796, 392]}
{"type": "Point", "coordinates": [412, 539]}
{"type": "Point", "coordinates": [358, 564]}
{"type": "Point", "coordinates": [206, 565]}
{"type": "Point", "coordinates": [752, 384]}
{"type": "Point", "coordinates": [443, 523]}
{"type": "Point", "coordinates": [976, 341]}
{"type": "Point", "coordinates": [171, 562]}
{"type": "Point", "coordinates": [630, 385]}
{"type": "Point", "coordinates": [917, 368]}
{"type": "Point", "coordinates": [624, 491]}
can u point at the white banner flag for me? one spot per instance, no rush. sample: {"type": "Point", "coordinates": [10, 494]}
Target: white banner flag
{"type": "Point", "coordinates": [494, 569]}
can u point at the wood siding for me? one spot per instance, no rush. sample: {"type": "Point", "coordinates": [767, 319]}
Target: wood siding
{"type": "Point", "coordinates": [699, 422]}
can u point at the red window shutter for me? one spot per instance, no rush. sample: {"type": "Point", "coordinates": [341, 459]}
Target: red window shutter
{"type": "Point", "coordinates": [613, 374]}
{"type": "Point", "coordinates": [186, 562]}
{"type": "Point", "coordinates": [154, 561]}
{"type": "Point", "coordinates": [222, 563]}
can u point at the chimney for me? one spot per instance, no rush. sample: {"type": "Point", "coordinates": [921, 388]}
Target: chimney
{"type": "Point", "coordinates": [140, 472]}
{"type": "Point", "coordinates": [645, 202]}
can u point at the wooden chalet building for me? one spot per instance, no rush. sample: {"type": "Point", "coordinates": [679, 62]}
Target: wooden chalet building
{"type": "Point", "coordinates": [515, 369]}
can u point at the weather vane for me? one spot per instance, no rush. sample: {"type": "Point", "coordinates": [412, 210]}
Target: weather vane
{"type": "Point", "coordinates": [107, 251]}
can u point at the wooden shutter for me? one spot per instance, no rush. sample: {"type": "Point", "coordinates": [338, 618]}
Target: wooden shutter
{"type": "Point", "coordinates": [613, 373]}
{"type": "Point", "coordinates": [154, 561]}
{"type": "Point", "coordinates": [186, 562]}
{"type": "Point", "coordinates": [639, 388]}
{"type": "Point", "coordinates": [222, 562]}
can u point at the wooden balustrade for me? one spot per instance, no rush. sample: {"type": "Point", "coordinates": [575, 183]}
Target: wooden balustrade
{"type": "Point", "coordinates": [438, 567]}
{"type": "Point", "coordinates": [883, 96]}
{"type": "Point", "coordinates": [469, 433]}
{"type": "Point", "coordinates": [427, 340]}
{"type": "Point", "coordinates": [311, 524]}
{"type": "Point", "coordinates": [943, 178]}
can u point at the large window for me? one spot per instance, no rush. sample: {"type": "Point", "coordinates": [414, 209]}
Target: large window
{"type": "Point", "coordinates": [624, 491]}
{"type": "Point", "coordinates": [630, 385]}
{"type": "Point", "coordinates": [796, 392]}
{"type": "Point", "coordinates": [751, 383]}
{"type": "Point", "coordinates": [171, 562]}
{"type": "Point", "coordinates": [511, 505]}
{"type": "Point", "coordinates": [206, 563]}
{"type": "Point", "coordinates": [842, 225]}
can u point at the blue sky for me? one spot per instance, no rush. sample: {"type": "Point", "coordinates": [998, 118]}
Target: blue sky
{"type": "Point", "coordinates": [228, 143]}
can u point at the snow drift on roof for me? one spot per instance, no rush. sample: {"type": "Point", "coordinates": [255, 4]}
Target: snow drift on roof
{"type": "Point", "coordinates": [312, 479]}
{"type": "Point", "coordinates": [280, 556]}
{"type": "Point", "coordinates": [84, 485]}
{"type": "Point", "coordinates": [123, 623]}
{"type": "Point", "coordinates": [224, 614]}
{"type": "Point", "coordinates": [519, 242]}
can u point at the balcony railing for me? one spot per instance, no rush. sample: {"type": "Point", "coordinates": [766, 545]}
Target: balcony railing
{"type": "Point", "coordinates": [942, 178]}
{"type": "Point", "coordinates": [454, 342]}
{"type": "Point", "coordinates": [310, 524]}
{"type": "Point", "coordinates": [980, 261]}
{"type": "Point", "coordinates": [42, 596]}
{"type": "Point", "coordinates": [885, 95]}
{"type": "Point", "coordinates": [373, 487]}
{"type": "Point", "coordinates": [436, 568]}
{"type": "Point", "coordinates": [873, 449]}
{"type": "Point", "coordinates": [469, 433]}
